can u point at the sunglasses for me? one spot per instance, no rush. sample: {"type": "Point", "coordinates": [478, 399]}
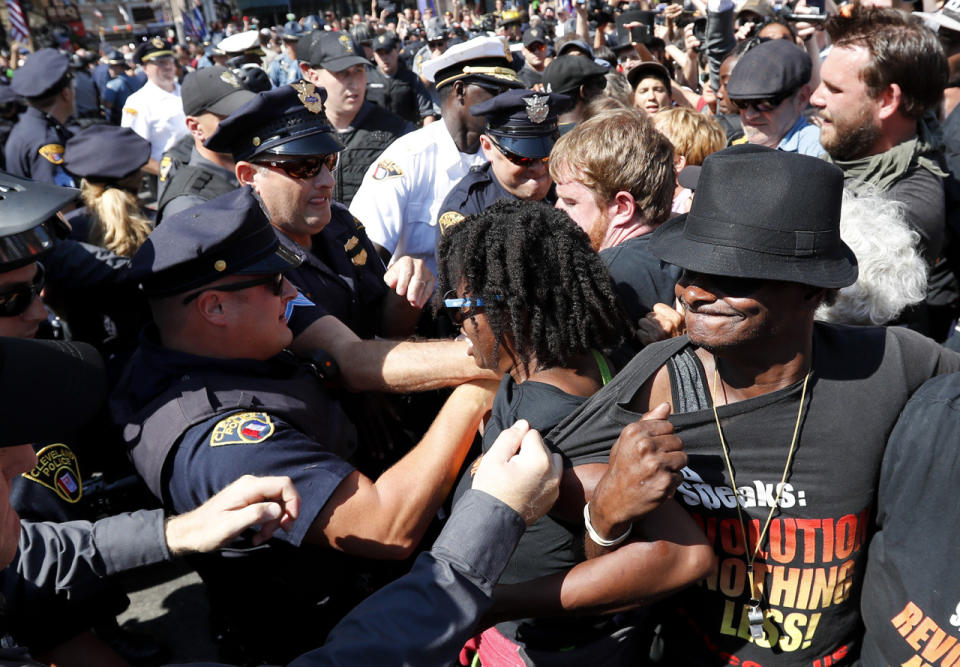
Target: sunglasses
{"type": "Point", "coordinates": [16, 299]}
{"type": "Point", "coordinates": [728, 285]}
{"type": "Point", "coordinates": [460, 309]}
{"type": "Point", "coordinates": [274, 280]}
{"type": "Point", "coordinates": [520, 160]}
{"type": "Point", "coordinates": [762, 106]}
{"type": "Point", "coordinates": [305, 167]}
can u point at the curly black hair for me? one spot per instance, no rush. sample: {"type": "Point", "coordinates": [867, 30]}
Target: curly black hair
{"type": "Point", "coordinates": [557, 297]}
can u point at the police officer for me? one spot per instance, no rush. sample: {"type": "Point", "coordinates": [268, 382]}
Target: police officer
{"type": "Point", "coordinates": [332, 60]}
{"type": "Point", "coordinates": [521, 131]}
{"type": "Point", "coordinates": [220, 300]}
{"type": "Point", "coordinates": [534, 52]}
{"type": "Point", "coordinates": [34, 148]}
{"type": "Point", "coordinates": [284, 68]}
{"type": "Point", "coordinates": [119, 86]}
{"type": "Point", "coordinates": [11, 106]}
{"type": "Point", "coordinates": [393, 86]}
{"type": "Point", "coordinates": [401, 194]}
{"type": "Point", "coordinates": [208, 95]}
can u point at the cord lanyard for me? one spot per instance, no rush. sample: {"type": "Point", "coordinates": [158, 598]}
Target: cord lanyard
{"type": "Point", "coordinates": [754, 612]}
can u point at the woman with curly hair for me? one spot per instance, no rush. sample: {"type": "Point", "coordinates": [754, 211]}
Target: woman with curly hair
{"type": "Point", "coordinates": [536, 303]}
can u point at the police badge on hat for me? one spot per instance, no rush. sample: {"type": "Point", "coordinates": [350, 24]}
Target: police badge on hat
{"type": "Point", "coordinates": [345, 42]}
{"type": "Point", "coordinates": [537, 108]}
{"type": "Point", "coordinates": [308, 96]}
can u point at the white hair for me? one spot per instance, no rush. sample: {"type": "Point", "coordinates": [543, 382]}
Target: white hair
{"type": "Point", "coordinates": [893, 275]}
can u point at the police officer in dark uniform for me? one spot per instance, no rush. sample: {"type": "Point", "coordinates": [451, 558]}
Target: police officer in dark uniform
{"type": "Point", "coordinates": [365, 129]}
{"type": "Point", "coordinates": [393, 86]}
{"type": "Point", "coordinates": [209, 95]}
{"type": "Point", "coordinates": [34, 148]}
{"type": "Point", "coordinates": [521, 130]}
{"type": "Point", "coordinates": [211, 395]}
{"type": "Point", "coordinates": [117, 88]}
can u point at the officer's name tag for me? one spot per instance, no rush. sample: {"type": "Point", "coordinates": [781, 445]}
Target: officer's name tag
{"type": "Point", "coordinates": [243, 428]}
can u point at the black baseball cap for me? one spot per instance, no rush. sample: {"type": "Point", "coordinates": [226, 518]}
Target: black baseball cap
{"type": "Point", "coordinates": [568, 73]}
{"type": "Point", "coordinates": [335, 51]}
{"type": "Point", "coordinates": [213, 89]}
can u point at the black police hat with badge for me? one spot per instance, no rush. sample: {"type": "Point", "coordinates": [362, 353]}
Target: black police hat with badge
{"type": "Point", "coordinates": [46, 72]}
{"type": "Point", "coordinates": [288, 120]}
{"type": "Point", "coordinates": [335, 51]}
{"type": "Point", "coordinates": [151, 50]}
{"type": "Point", "coordinates": [388, 41]}
{"type": "Point", "coordinates": [29, 225]}
{"type": "Point", "coordinates": [229, 235]}
{"type": "Point", "coordinates": [484, 61]}
{"type": "Point", "coordinates": [534, 36]}
{"type": "Point", "coordinates": [523, 122]}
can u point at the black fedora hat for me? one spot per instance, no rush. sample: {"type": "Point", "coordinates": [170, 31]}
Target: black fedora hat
{"type": "Point", "coordinates": [762, 213]}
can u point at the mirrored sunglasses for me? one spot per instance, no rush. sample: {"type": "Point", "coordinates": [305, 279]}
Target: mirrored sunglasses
{"type": "Point", "coordinates": [303, 167]}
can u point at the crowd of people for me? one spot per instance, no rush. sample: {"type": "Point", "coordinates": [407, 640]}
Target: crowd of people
{"type": "Point", "coordinates": [534, 336]}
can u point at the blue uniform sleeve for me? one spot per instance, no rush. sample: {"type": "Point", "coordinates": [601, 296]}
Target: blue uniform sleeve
{"type": "Point", "coordinates": [216, 452]}
{"type": "Point", "coordinates": [425, 617]}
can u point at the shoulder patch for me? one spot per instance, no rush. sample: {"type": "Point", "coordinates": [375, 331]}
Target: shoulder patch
{"type": "Point", "coordinates": [130, 110]}
{"type": "Point", "coordinates": [242, 428]}
{"type": "Point", "coordinates": [52, 153]}
{"type": "Point", "coordinates": [58, 470]}
{"type": "Point", "coordinates": [449, 219]}
{"type": "Point", "coordinates": [386, 169]}
{"type": "Point", "coordinates": [355, 251]}
{"type": "Point", "coordinates": [166, 164]}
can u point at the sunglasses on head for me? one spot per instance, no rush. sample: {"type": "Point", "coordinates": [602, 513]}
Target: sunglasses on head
{"type": "Point", "coordinates": [460, 309]}
{"type": "Point", "coordinates": [762, 106]}
{"type": "Point", "coordinates": [303, 167]}
{"type": "Point", "coordinates": [16, 299]}
{"type": "Point", "coordinates": [520, 160]}
{"type": "Point", "coordinates": [274, 280]}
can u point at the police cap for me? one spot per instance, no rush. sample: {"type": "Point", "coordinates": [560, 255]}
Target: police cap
{"type": "Point", "coordinates": [291, 31]}
{"type": "Point", "coordinates": [151, 50]}
{"type": "Point", "coordinates": [335, 51]}
{"type": "Point", "coordinates": [115, 58]}
{"type": "Point", "coordinates": [771, 69]}
{"type": "Point", "coordinates": [288, 120]}
{"type": "Point", "coordinates": [46, 72]}
{"type": "Point", "coordinates": [534, 36]}
{"type": "Point", "coordinates": [28, 219]}
{"type": "Point", "coordinates": [226, 236]}
{"type": "Point", "coordinates": [523, 121]}
{"type": "Point", "coordinates": [213, 89]}
{"type": "Point", "coordinates": [650, 70]}
{"type": "Point", "coordinates": [105, 153]}
{"type": "Point", "coordinates": [386, 42]}
{"type": "Point", "coordinates": [480, 60]}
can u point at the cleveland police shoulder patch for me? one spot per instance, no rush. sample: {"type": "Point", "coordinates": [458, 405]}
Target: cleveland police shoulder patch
{"type": "Point", "coordinates": [58, 470]}
{"type": "Point", "coordinates": [166, 164]}
{"type": "Point", "coordinates": [448, 220]}
{"type": "Point", "coordinates": [242, 428]}
{"type": "Point", "coordinates": [386, 169]}
{"type": "Point", "coordinates": [52, 153]}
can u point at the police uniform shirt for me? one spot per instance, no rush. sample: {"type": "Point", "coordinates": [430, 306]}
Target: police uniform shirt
{"type": "Point", "coordinates": [342, 276]}
{"type": "Point", "coordinates": [403, 93]}
{"type": "Point", "coordinates": [116, 92]}
{"type": "Point", "coordinates": [474, 194]}
{"type": "Point", "coordinates": [213, 453]}
{"type": "Point", "coordinates": [402, 192]}
{"type": "Point", "coordinates": [157, 116]}
{"type": "Point", "coordinates": [283, 70]}
{"type": "Point", "coordinates": [34, 149]}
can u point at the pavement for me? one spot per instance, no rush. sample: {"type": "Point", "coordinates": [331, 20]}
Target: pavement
{"type": "Point", "coordinates": [167, 601]}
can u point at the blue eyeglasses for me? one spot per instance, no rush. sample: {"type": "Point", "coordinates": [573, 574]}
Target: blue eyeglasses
{"type": "Point", "coordinates": [460, 309]}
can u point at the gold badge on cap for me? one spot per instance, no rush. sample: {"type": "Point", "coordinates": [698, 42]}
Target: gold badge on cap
{"type": "Point", "coordinates": [537, 108]}
{"type": "Point", "coordinates": [231, 78]}
{"type": "Point", "coordinates": [220, 265]}
{"type": "Point", "coordinates": [309, 97]}
{"type": "Point", "coordinates": [157, 42]}
{"type": "Point", "coordinates": [346, 44]}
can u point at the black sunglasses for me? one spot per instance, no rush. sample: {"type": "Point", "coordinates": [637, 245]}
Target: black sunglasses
{"type": "Point", "coordinates": [303, 167]}
{"type": "Point", "coordinates": [275, 280]}
{"type": "Point", "coordinates": [519, 160]}
{"type": "Point", "coordinates": [728, 285]}
{"type": "Point", "coordinates": [762, 106]}
{"type": "Point", "coordinates": [16, 299]}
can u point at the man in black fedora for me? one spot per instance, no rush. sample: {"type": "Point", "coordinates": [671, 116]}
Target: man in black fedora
{"type": "Point", "coordinates": [787, 415]}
